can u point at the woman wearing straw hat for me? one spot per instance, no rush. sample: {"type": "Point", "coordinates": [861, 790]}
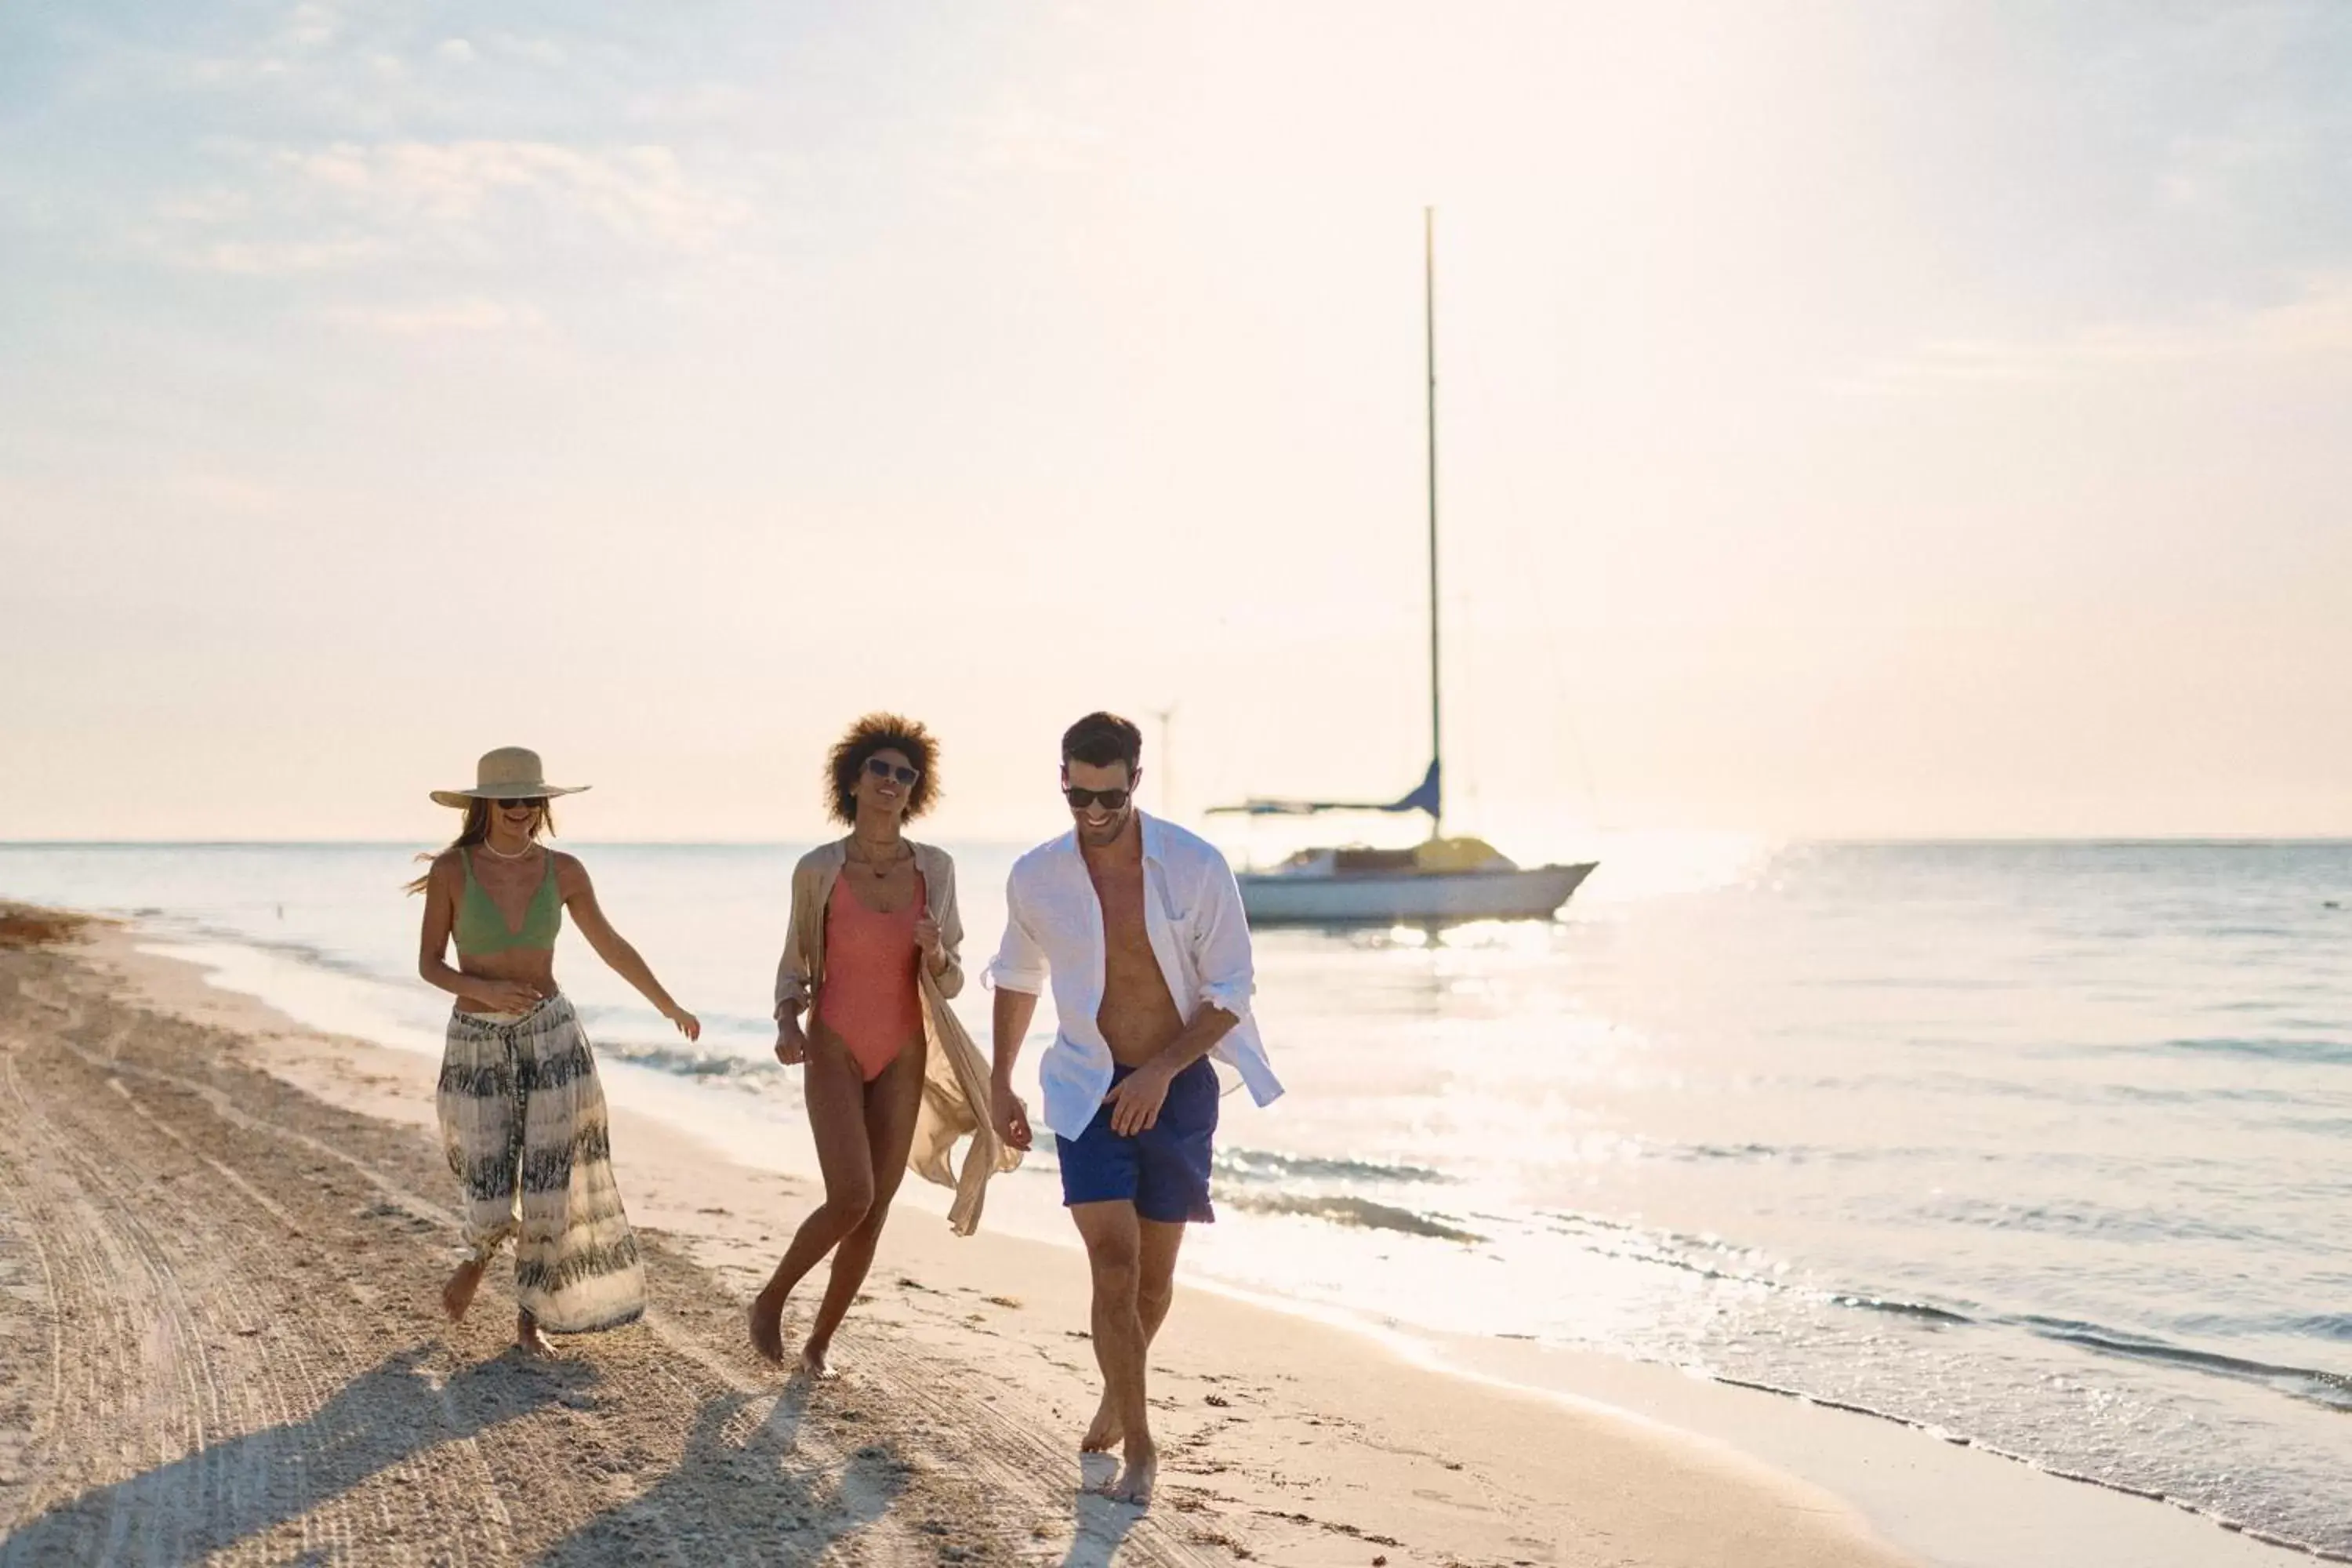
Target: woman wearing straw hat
{"type": "Point", "coordinates": [890, 1078]}
{"type": "Point", "coordinates": [522, 1116]}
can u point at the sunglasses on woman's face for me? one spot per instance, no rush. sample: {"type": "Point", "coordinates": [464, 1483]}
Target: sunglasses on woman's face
{"type": "Point", "coordinates": [1108, 799]}
{"type": "Point", "coordinates": [905, 776]}
{"type": "Point", "coordinates": [536, 802]}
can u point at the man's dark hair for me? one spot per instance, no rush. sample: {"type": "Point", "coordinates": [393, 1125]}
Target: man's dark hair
{"type": "Point", "coordinates": [1098, 740]}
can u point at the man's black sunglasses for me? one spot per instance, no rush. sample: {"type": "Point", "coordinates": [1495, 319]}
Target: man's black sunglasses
{"type": "Point", "coordinates": [882, 770]}
{"type": "Point", "coordinates": [1110, 799]}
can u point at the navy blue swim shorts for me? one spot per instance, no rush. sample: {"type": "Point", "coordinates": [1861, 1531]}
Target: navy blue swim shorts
{"type": "Point", "coordinates": [1164, 1170]}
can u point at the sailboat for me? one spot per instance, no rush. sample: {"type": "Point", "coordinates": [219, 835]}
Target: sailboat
{"type": "Point", "coordinates": [1444, 881]}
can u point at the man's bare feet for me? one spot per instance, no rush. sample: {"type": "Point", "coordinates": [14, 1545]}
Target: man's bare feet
{"type": "Point", "coordinates": [458, 1294]}
{"type": "Point", "coordinates": [529, 1339]}
{"type": "Point", "coordinates": [1105, 1433]}
{"type": "Point", "coordinates": [767, 1324]}
{"type": "Point", "coordinates": [1136, 1476]}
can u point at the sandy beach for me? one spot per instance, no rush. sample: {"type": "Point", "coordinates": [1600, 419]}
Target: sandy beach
{"type": "Point", "coordinates": [221, 1236]}
{"type": "Point", "coordinates": [220, 1297]}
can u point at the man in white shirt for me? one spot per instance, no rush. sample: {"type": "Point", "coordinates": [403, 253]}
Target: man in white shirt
{"type": "Point", "coordinates": [1139, 926]}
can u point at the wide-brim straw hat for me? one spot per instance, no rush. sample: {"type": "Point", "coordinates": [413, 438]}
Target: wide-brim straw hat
{"type": "Point", "coordinates": [510, 772]}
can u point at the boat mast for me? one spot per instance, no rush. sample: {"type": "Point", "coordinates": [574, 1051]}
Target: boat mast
{"type": "Point", "coordinates": [1429, 312]}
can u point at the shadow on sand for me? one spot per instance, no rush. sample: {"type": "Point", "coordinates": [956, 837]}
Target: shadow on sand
{"type": "Point", "coordinates": [739, 1494]}
{"type": "Point", "coordinates": [209, 1500]}
{"type": "Point", "coordinates": [1101, 1524]}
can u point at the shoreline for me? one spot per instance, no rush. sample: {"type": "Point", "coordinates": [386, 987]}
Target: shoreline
{"type": "Point", "coordinates": [1787, 1463]}
{"type": "Point", "coordinates": [1842, 1450]}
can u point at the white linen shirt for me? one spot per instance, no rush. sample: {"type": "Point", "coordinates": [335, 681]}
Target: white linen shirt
{"type": "Point", "coordinates": [1192, 915]}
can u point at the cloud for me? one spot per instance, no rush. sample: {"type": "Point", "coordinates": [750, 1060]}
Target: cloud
{"type": "Point", "coordinates": [313, 26]}
{"type": "Point", "coordinates": [547, 52]}
{"type": "Point", "coordinates": [235, 494]}
{"type": "Point", "coordinates": [219, 72]}
{"type": "Point", "coordinates": [703, 103]}
{"type": "Point", "coordinates": [2207, 174]}
{"type": "Point", "coordinates": [641, 193]}
{"type": "Point", "coordinates": [219, 204]}
{"type": "Point", "coordinates": [275, 258]}
{"type": "Point", "coordinates": [1015, 136]}
{"type": "Point", "coordinates": [2314, 327]}
{"type": "Point", "coordinates": [457, 51]}
{"type": "Point", "coordinates": [448, 317]}
{"type": "Point", "coordinates": [347, 204]}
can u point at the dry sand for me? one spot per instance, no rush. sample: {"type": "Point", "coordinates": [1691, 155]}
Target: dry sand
{"type": "Point", "coordinates": [220, 1240]}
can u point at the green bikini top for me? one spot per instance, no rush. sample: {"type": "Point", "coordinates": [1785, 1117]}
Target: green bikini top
{"type": "Point", "coordinates": [481, 928]}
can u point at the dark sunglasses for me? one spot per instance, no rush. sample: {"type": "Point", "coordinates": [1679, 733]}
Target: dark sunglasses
{"type": "Point", "coordinates": [536, 802]}
{"type": "Point", "coordinates": [882, 770]}
{"type": "Point", "coordinates": [1109, 799]}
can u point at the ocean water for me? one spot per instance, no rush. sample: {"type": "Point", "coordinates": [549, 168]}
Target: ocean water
{"type": "Point", "coordinates": [2044, 1146]}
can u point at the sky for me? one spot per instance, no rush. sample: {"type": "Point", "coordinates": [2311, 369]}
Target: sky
{"type": "Point", "coordinates": [1867, 419]}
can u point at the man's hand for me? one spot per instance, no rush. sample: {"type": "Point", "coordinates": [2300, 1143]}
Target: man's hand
{"type": "Point", "coordinates": [792, 1046]}
{"type": "Point", "coordinates": [1135, 1100]}
{"type": "Point", "coordinates": [1012, 1117]}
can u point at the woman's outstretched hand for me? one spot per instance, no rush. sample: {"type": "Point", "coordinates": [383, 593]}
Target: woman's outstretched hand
{"type": "Point", "coordinates": [687, 1024]}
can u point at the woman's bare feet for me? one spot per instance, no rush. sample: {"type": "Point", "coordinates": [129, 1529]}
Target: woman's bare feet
{"type": "Point", "coordinates": [813, 1363]}
{"type": "Point", "coordinates": [1136, 1476]}
{"type": "Point", "coordinates": [458, 1294]}
{"type": "Point", "coordinates": [529, 1340]}
{"type": "Point", "coordinates": [1105, 1433]}
{"type": "Point", "coordinates": [767, 1324]}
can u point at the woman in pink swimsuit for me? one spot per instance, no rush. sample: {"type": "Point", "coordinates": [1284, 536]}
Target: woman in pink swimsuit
{"type": "Point", "coordinates": [873, 921]}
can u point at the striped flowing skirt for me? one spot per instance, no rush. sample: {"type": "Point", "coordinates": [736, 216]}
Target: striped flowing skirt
{"type": "Point", "coordinates": [523, 1120]}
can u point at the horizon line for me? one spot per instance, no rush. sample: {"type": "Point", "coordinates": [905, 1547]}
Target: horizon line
{"type": "Point", "coordinates": [2126, 840]}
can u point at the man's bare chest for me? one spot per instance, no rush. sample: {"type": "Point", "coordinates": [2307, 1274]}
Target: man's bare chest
{"type": "Point", "coordinates": [1127, 940]}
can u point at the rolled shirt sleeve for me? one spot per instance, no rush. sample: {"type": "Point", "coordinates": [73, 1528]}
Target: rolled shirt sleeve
{"type": "Point", "coordinates": [1020, 961]}
{"type": "Point", "coordinates": [1220, 942]}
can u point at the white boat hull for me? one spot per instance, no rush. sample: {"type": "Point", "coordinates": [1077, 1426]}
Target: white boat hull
{"type": "Point", "coordinates": [1408, 898]}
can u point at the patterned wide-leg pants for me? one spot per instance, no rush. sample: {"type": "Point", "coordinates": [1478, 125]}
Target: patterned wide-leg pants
{"type": "Point", "coordinates": [523, 1122]}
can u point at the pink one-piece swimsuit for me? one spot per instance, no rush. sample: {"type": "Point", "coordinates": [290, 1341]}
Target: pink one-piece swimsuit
{"type": "Point", "coordinates": [868, 996]}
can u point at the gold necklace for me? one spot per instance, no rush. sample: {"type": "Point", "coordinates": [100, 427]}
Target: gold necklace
{"type": "Point", "coordinates": [880, 870]}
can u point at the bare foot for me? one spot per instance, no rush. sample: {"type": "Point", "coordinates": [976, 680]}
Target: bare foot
{"type": "Point", "coordinates": [1104, 1433]}
{"type": "Point", "coordinates": [458, 1294]}
{"type": "Point", "coordinates": [813, 1363]}
{"type": "Point", "coordinates": [767, 1324]}
{"type": "Point", "coordinates": [529, 1340]}
{"type": "Point", "coordinates": [1135, 1479]}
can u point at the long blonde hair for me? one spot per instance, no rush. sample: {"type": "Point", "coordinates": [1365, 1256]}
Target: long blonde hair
{"type": "Point", "coordinates": [478, 830]}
